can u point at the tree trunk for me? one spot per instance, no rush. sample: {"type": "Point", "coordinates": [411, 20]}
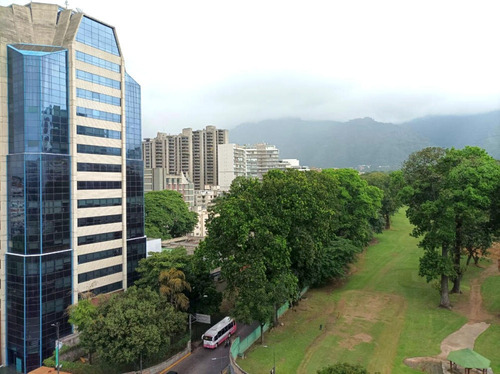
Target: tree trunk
{"type": "Point", "coordinates": [387, 222]}
{"type": "Point", "coordinates": [275, 316]}
{"type": "Point", "coordinates": [445, 298]}
{"type": "Point", "coordinates": [262, 333]}
{"type": "Point", "coordinates": [457, 256]}
{"type": "Point", "coordinates": [469, 258]}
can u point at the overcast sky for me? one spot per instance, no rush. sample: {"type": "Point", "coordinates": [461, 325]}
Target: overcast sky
{"type": "Point", "coordinates": [224, 62]}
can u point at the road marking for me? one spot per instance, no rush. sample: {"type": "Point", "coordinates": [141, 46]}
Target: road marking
{"type": "Point", "coordinates": [178, 361]}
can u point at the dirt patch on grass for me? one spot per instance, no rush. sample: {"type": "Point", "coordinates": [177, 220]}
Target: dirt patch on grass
{"type": "Point", "coordinates": [362, 305]}
{"type": "Point", "coordinates": [353, 341]}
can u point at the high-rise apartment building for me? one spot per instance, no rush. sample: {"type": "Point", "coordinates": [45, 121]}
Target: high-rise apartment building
{"type": "Point", "coordinates": [193, 153]}
{"type": "Point", "coordinates": [232, 160]}
{"type": "Point", "coordinates": [71, 173]}
{"type": "Point", "coordinates": [261, 158]}
{"type": "Point", "coordinates": [158, 179]}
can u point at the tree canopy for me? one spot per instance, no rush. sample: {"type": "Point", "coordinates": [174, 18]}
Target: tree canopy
{"type": "Point", "coordinates": [130, 325]}
{"type": "Point", "coordinates": [167, 215]}
{"type": "Point", "coordinates": [203, 296]}
{"type": "Point", "coordinates": [450, 194]}
{"type": "Point", "coordinates": [291, 229]}
{"type": "Point", "coordinates": [390, 184]}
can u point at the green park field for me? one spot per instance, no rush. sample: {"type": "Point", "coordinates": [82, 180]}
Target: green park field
{"type": "Point", "coordinates": [380, 315]}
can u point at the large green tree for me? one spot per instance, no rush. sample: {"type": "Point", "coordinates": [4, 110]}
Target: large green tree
{"type": "Point", "coordinates": [390, 184]}
{"type": "Point", "coordinates": [248, 243]}
{"type": "Point", "coordinates": [291, 229]}
{"type": "Point", "coordinates": [449, 194]}
{"type": "Point", "coordinates": [167, 215]}
{"type": "Point", "coordinates": [133, 325]}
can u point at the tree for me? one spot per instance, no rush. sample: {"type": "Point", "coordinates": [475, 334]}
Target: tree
{"type": "Point", "coordinates": [390, 184]}
{"type": "Point", "coordinates": [343, 368]}
{"type": "Point", "coordinates": [292, 229]}
{"type": "Point", "coordinates": [172, 284]}
{"type": "Point", "coordinates": [449, 195]}
{"type": "Point", "coordinates": [359, 205]}
{"type": "Point", "coordinates": [203, 296]}
{"type": "Point", "coordinates": [149, 268]}
{"type": "Point", "coordinates": [82, 315]}
{"type": "Point", "coordinates": [133, 325]}
{"type": "Point", "coordinates": [247, 242]}
{"type": "Point", "coordinates": [167, 215]}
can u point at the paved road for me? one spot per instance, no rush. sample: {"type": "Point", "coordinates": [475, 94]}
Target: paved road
{"type": "Point", "coordinates": [210, 361]}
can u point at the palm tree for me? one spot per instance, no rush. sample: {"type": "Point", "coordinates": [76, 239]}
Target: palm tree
{"type": "Point", "coordinates": [172, 284]}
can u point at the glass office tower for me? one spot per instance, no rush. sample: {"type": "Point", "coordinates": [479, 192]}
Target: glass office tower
{"type": "Point", "coordinates": [71, 173]}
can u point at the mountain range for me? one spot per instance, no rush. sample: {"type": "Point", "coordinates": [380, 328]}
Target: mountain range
{"type": "Point", "coordinates": [364, 141]}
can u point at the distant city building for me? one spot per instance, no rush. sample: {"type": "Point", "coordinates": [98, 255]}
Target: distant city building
{"type": "Point", "coordinates": [260, 159]}
{"type": "Point", "coordinates": [291, 163]}
{"type": "Point", "coordinates": [232, 163]}
{"type": "Point", "coordinates": [193, 153]}
{"type": "Point", "coordinates": [250, 161]}
{"type": "Point", "coordinates": [200, 229]}
{"type": "Point", "coordinates": [204, 198]}
{"type": "Point", "coordinates": [158, 179]}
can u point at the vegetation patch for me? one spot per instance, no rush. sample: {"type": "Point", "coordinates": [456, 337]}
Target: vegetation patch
{"type": "Point", "coordinates": [382, 315]}
{"type": "Point", "coordinates": [491, 295]}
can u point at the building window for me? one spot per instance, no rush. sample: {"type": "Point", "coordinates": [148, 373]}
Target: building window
{"type": "Point", "coordinates": [98, 79]}
{"type": "Point", "coordinates": [97, 35]}
{"type": "Point", "coordinates": [97, 96]}
{"type": "Point", "coordinates": [96, 256]}
{"type": "Point", "coordinates": [107, 288]}
{"type": "Point", "coordinates": [104, 168]}
{"type": "Point", "coordinates": [101, 133]}
{"type": "Point", "coordinates": [99, 273]}
{"type": "Point", "coordinates": [98, 238]}
{"type": "Point", "coordinates": [99, 220]}
{"type": "Point", "coordinates": [96, 61]}
{"type": "Point", "coordinates": [98, 114]}
{"type": "Point", "coordinates": [93, 203]}
{"type": "Point", "coordinates": [98, 150]}
{"type": "Point", "coordinates": [99, 185]}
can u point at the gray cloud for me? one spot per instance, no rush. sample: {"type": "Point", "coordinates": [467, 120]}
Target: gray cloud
{"type": "Point", "coordinates": [258, 96]}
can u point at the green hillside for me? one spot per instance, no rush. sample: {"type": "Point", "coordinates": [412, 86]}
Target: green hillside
{"type": "Point", "coordinates": [368, 142]}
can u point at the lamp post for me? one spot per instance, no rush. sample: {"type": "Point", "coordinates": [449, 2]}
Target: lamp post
{"type": "Point", "coordinates": [56, 325]}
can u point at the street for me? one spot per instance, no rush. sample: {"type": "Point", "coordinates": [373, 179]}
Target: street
{"type": "Point", "coordinates": [210, 361]}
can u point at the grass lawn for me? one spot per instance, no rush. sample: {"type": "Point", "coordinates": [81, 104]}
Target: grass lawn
{"type": "Point", "coordinates": [382, 314]}
{"type": "Point", "coordinates": [491, 295]}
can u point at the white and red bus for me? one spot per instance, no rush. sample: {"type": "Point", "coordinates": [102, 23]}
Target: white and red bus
{"type": "Point", "coordinates": [219, 332]}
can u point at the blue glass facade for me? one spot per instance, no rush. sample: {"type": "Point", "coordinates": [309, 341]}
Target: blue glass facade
{"type": "Point", "coordinates": [97, 35]}
{"type": "Point", "coordinates": [40, 274]}
{"type": "Point", "coordinates": [136, 241]}
{"type": "Point", "coordinates": [39, 254]}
